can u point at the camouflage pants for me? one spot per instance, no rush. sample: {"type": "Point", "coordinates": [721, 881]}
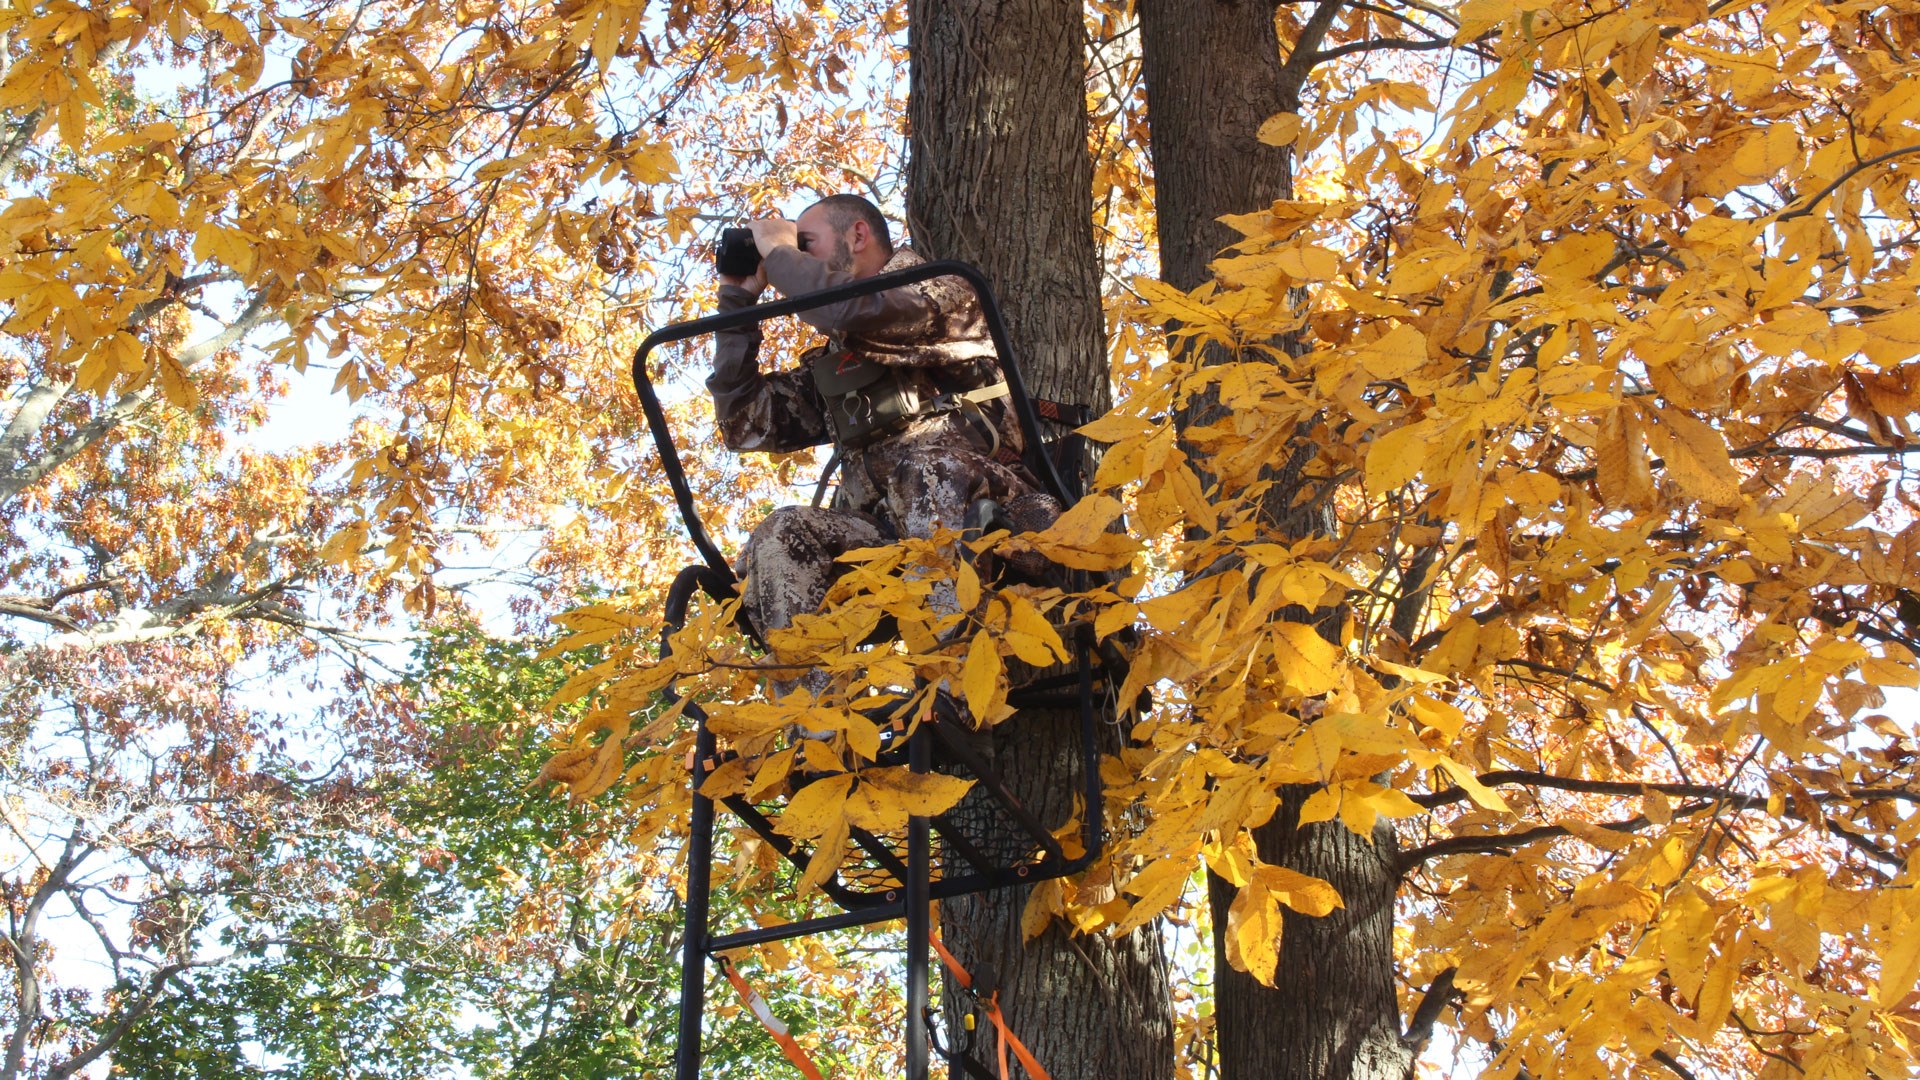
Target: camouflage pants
{"type": "Point", "coordinates": [790, 560]}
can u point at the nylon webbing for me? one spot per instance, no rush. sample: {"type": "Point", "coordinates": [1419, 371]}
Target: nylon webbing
{"type": "Point", "coordinates": [757, 1005]}
{"type": "Point", "coordinates": [1008, 1040]}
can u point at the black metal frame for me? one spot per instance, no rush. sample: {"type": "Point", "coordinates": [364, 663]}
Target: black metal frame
{"type": "Point", "coordinates": [912, 900]}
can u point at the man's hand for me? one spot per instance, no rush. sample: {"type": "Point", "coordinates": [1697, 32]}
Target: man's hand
{"type": "Point", "coordinates": [770, 233]}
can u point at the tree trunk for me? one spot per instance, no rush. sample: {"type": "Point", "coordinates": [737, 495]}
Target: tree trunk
{"type": "Point", "coordinates": [1000, 177]}
{"type": "Point", "coordinates": [1213, 73]}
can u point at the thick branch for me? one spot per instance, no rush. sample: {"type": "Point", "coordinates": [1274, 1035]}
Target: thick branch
{"type": "Point", "coordinates": [140, 1006]}
{"type": "Point", "coordinates": [1503, 842]}
{"type": "Point", "coordinates": [1420, 1026]}
{"type": "Point", "coordinates": [1710, 796]}
{"type": "Point", "coordinates": [1520, 777]}
{"type": "Point", "coordinates": [22, 607]}
{"type": "Point", "coordinates": [20, 474]}
{"type": "Point", "coordinates": [26, 422]}
{"type": "Point", "coordinates": [1381, 43]}
{"type": "Point", "coordinates": [22, 943]}
{"type": "Point", "coordinates": [1306, 52]}
{"type": "Point", "coordinates": [19, 136]}
{"type": "Point", "coordinates": [1674, 1065]}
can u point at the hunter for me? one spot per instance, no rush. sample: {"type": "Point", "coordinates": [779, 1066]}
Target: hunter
{"type": "Point", "coordinates": [907, 388]}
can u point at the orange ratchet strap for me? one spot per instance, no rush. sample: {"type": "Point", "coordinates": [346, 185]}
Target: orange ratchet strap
{"type": "Point", "coordinates": [992, 1004]}
{"type": "Point", "coordinates": [757, 1005]}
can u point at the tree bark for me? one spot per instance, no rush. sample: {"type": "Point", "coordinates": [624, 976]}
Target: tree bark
{"type": "Point", "coordinates": [1000, 176]}
{"type": "Point", "coordinates": [1214, 72]}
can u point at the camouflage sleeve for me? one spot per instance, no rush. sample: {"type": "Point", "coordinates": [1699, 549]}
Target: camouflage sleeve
{"type": "Point", "coordinates": [933, 323]}
{"type": "Point", "coordinates": [772, 411]}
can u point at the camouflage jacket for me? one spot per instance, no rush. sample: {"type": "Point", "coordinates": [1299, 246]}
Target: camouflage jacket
{"type": "Point", "coordinates": [933, 333]}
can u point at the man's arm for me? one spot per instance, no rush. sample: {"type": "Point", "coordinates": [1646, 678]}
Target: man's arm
{"type": "Point", "coordinates": [776, 412]}
{"type": "Point", "coordinates": [894, 313]}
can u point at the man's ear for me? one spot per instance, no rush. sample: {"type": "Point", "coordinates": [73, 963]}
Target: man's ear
{"type": "Point", "coordinates": [862, 236]}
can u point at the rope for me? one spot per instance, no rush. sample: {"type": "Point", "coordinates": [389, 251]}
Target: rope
{"type": "Point", "coordinates": [757, 1005]}
{"type": "Point", "coordinates": [991, 1005]}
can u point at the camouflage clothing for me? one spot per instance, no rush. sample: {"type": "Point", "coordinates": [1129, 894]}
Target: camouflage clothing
{"type": "Point", "coordinates": [908, 483]}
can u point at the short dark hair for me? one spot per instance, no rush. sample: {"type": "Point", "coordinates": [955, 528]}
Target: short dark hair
{"type": "Point", "coordinates": [844, 210]}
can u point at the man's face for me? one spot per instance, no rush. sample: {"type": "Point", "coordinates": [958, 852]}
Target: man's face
{"type": "Point", "coordinates": [819, 239]}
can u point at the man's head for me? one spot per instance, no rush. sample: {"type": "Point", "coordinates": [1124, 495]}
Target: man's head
{"type": "Point", "coordinates": [847, 233]}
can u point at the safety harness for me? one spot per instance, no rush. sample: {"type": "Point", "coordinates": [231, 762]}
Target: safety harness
{"type": "Point", "coordinates": [867, 401]}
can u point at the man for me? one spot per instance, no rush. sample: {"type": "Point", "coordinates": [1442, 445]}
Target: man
{"type": "Point", "coordinates": [908, 389]}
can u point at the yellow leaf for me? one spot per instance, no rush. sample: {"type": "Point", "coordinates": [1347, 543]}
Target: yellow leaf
{"type": "Point", "coordinates": [1696, 457]}
{"type": "Point", "coordinates": [1254, 928]}
{"type": "Point", "coordinates": [1437, 714]}
{"type": "Point", "coordinates": [1388, 802]}
{"type": "Point", "coordinates": [1656, 807]}
{"type": "Point", "coordinates": [1322, 805]}
{"type": "Point", "coordinates": [1900, 960]}
{"type": "Point", "coordinates": [1114, 427]}
{"type": "Point", "coordinates": [980, 678]}
{"type": "Point", "coordinates": [916, 794]}
{"type": "Point", "coordinates": [1186, 488]}
{"type": "Point", "coordinates": [1766, 154]}
{"type": "Point", "coordinates": [1395, 458]}
{"type": "Point", "coordinates": [1232, 861]}
{"type": "Point", "coordinates": [174, 381]}
{"type": "Point", "coordinates": [1893, 337]}
{"type": "Point", "coordinates": [1358, 815]}
{"type": "Point", "coordinates": [1158, 885]}
{"type": "Point", "coordinates": [1686, 931]}
{"type": "Point", "coordinates": [1280, 129]}
{"type": "Point", "coordinates": [967, 586]}
{"type": "Point", "coordinates": [1309, 663]}
{"type": "Point", "coordinates": [1716, 991]}
{"type": "Point", "coordinates": [1470, 783]}
{"type": "Point", "coordinates": [1624, 468]}
{"type": "Point", "coordinates": [345, 545]}
{"type": "Point", "coordinates": [1577, 257]}
{"type": "Point", "coordinates": [1045, 901]}
{"type": "Point", "coordinates": [1395, 354]}
{"type": "Point", "coordinates": [817, 808]}
{"type": "Point", "coordinates": [1114, 618]}
{"type": "Point", "coordinates": [1025, 619]}
{"type": "Point", "coordinates": [1531, 490]}
{"type": "Point", "coordinates": [1080, 538]}
{"type": "Point", "coordinates": [1304, 893]}
{"type": "Point", "coordinates": [830, 850]}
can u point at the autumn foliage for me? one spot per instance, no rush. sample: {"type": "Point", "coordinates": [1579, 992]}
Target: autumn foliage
{"type": "Point", "coordinates": [1538, 480]}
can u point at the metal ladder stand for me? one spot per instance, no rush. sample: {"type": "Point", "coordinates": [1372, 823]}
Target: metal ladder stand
{"type": "Point", "coordinates": [991, 841]}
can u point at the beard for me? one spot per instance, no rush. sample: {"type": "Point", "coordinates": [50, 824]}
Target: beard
{"type": "Point", "coordinates": [842, 257]}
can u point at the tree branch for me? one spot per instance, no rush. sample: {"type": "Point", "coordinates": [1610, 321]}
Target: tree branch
{"type": "Point", "coordinates": [1293, 74]}
{"type": "Point", "coordinates": [1708, 794]}
{"type": "Point", "coordinates": [1520, 777]}
{"type": "Point", "coordinates": [22, 607]}
{"type": "Point", "coordinates": [1678, 1069]}
{"type": "Point", "coordinates": [1420, 1026]}
{"type": "Point", "coordinates": [1856, 170]}
{"type": "Point", "coordinates": [1380, 43]}
{"type": "Point", "coordinates": [22, 942]}
{"type": "Point", "coordinates": [1503, 842]}
{"type": "Point", "coordinates": [19, 476]}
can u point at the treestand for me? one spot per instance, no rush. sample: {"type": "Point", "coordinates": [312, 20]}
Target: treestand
{"type": "Point", "coordinates": [989, 841]}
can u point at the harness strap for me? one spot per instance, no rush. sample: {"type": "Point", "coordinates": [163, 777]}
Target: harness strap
{"type": "Point", "coordinates": [979, 396]}
{"type": "Point", "coordinates": [991, 1005]}
{"type": "Point", "coordinates": [1060, 412]}
{"type": "Point", "coordinates": [826, 477]}
{"type": "Point", "coordinates": [774, 1025]}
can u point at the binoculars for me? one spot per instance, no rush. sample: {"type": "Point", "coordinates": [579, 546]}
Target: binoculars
{"type": "Point", "coordinates": [736, 255]}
